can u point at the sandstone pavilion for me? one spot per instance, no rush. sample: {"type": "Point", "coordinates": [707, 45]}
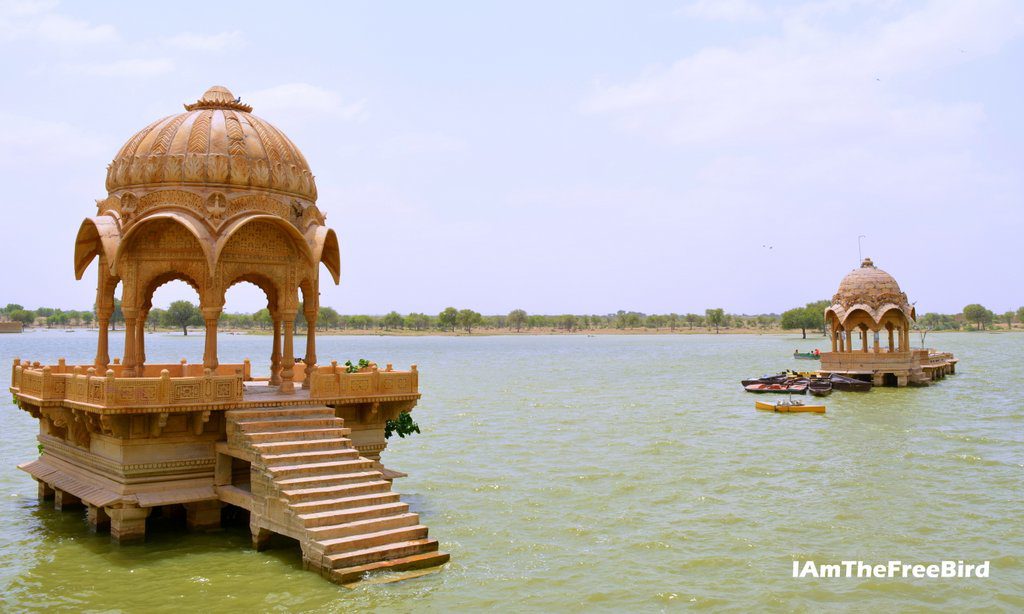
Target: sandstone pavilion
{"type": "Point", "coordinates": [213, 197]}
{"type": "Point", "coordinates": [868, 308]}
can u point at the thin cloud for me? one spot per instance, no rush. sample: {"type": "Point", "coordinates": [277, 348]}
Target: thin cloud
{"type": "Point", "coordinates": [302, 98]}
{"type": "Point", "coordinates": [39, 22]}
{"type": "Point", "coordinates": [206, 42]}
{"type": "Point", "coordinates": [723, 10]}
{"type": "Point", "coordinates": [128, 68]}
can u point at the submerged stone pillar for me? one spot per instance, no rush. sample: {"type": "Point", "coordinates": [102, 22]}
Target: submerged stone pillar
{"type": "Point", "coordinates": [260, 537]}
{"type": "Point", "coordinates": [203, 515]}
{"type": "Point", "coordinates": [63, 500]}
{"type": "Point", "coordinates": [98, 518]}
{"type": "Point", "coordinates": [128, 524]}
{"type": "Point", "coordinates": [45, 492]}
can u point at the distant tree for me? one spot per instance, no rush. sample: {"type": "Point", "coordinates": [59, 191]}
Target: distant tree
{"type": "Point", "coordinates": [86, 317]}
{"type": "Point", "coordinates": [692, 319]}
{"type": "Point", "coordinates": [715, 317]}
{"type": "Point", "coordinates": [799, 317]}
{"type": "Point", "coordinates": [156, 318]}
{"type": "Point", "coordinates": [467, 319]}
{"type": "Point", "coordinates": [393, 320]}
{"type": "Point", "coordinates": [262, 318]}
{"type": "Point", "coordinates": [45, 312]}
{"type": "Point", "coordinates": [183, 314]}
{"type": "Point", "coordinates": [567, 322]}
{"type": "Point", "coordinates": [517, 319]}
{"type": "Point", "coordinates": [673, 321]}
{"type": "Point", "coordinates": [117, 315]}
{"type": "Point", "coordinates": [816, 310]}
{"type": "Point", "coordinates": [1008, 318]}
{"type": "Point", "coordinates": [1020, 315]}
{"type": "Point", "coordinates": [448, 319]}
{"type": "Point", "coordinates": [22, 315]}
{"type": "Point", "coordinates": [327, 318]}
{"type": "Point", "coordinates": [978, 314]}
{"type": "Point", "coordinates": [418, 321]}
{"type": "Point", "coordinates": [11, 307]}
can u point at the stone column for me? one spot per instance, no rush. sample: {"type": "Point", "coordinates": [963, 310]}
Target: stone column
{"type": "Point", "coordinates": [876, 341]}
{"type": "Point", "coordinates": [260, 537]}
{"type": "Point", "coordinates": [892, 346]}
{"type": "Point", "coordinates": [864, 339]}
{"type": "Point", "coordinates": [128, 524]}
{"type": "Point", "coordinates": [45, 492]}
{"type": "Point", "coordinates": [140, 341]}
{"type": "Point", "coordinates": [97, 518]}
{"type": "Point", "coordinates": [288, 358]}
{"type": "Point", "coordinates": [311, 317]}
{"type": "Point", "coordinates": [275, 353]}
{"type": "Point", "coordinates": [835, 340]}
{"type": "Point", "coordinates": [63, 500]}
{"type": "Point", "coordinates": [203, 515]}
{"type": "Point", "coordinates": [130, 359]}
{"type": "Point", "coordinates": [210, 317]}
{"type": "Point", "coordinates": [102, 346]}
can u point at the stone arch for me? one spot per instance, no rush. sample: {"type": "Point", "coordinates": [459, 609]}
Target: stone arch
{"type": "Point", "coordinates": [326, 250]}
{"type": "Point", "coordinates": [97, 236]}
{"type": "Point", "coordinates": [174, 242]}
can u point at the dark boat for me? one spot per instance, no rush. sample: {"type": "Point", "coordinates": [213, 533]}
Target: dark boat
{"type": "Point", "coordinates": [849, 384]}
{"type": "Point", "coordinates": [788, 387]}
{"type": "Point", "coordinates": [767, 379]}
{"type": "Point", "coordinates": [820, 386]}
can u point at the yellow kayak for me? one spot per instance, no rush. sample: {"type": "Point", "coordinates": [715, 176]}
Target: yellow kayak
{"type": "Point", "coordinates": [789, 408]}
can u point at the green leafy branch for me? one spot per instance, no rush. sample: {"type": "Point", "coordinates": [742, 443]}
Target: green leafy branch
{"type": "Point", "coordinates": [355, 368]}
{"type": "Point", "coordinates": [403, 426]}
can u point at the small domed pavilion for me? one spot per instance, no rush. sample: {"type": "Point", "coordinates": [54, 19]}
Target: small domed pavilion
{"type": "Point", "coordinates": [869, 305]}
{"type": "Point", "coordinates": [213, 197]}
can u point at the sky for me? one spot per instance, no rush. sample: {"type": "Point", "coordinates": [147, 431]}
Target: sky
{"type": "Point", "coordinates": [559, 157]}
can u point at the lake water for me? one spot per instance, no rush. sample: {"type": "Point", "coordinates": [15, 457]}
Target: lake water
{"type": "Point", "coordinates": [618, 473]}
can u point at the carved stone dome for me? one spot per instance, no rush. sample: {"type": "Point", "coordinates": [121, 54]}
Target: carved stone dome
{"type": "Point", "coordinates": [216, 142]}
{"type": "Point", "coordinates": [871, 289]}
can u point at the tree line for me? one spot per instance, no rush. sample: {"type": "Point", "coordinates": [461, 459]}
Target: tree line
{"type": "Point", "coordinates": [184, 314]}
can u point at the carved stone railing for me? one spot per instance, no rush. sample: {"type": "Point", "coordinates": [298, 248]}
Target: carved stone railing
{"type": "Point", "coordinates": [83, 387]}
{"type": "Point", "coordinates": [862, 361]}
{"type": "Point", "coordinates": [335, 382]}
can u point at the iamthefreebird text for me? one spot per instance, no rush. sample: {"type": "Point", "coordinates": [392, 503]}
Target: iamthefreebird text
{"type": "Point", "coordinates": [891, 569]}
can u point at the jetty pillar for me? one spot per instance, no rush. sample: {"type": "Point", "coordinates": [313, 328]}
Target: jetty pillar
{"type": "Point", "coordinates": [45, 492]}
{"type": "Point", "coordinates": [98, 518]}
{"type": "Point", "coordinates": [63, 500]}
{"type": "Point", "coordinates": [203, 515]}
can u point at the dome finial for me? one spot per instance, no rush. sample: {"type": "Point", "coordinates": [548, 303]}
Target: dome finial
{"type": "Point", "coordinates": [219, 97]}
{"type": "Point", "coordinates": [867, 264]}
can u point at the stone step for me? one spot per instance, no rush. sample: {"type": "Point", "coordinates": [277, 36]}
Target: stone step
{"type": "Point", "coordinates": [308, 445]}
{"type": "Point", "coordinates": [352, 514]}
{"type": "Point", "coordinates": [314, 456]}
{"type": "Point", "coordinates": [336, 492]}
{"type": "Point", "coordinates": [329, 479]}
{"type": "Point", "coordinates": [312, 469]}
{"type": "Point", "coordinates": [362, 527]}
{"type": "Point", "coordinates": [254, 426]}
{"type": "Point", "coordinates": [333, 505]}
{"type": "Point", "coordinates": [294, 435]}
{"type": "Point", "coordinates": [363, 541]}
{"type": "Point", "coordinates": [345, 575]}
{"type": "Point", "coordinates": [279, 412]}
{"type": "Point", "coordinates": [383, 552]}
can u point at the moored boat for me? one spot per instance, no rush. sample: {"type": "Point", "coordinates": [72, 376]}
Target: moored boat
{"type": "Point", "coordinates": [794, 387]}
{"type": "Point", "coordinates": [849, 384]}
{"type": "Point", "coordinates": [789, 407]}
{"type": "Point", "coordinates": [815, 355]}
{"type": "Point", "coordinates": [766, 379]}
{"type": "Point", "coordinates": [819, 386]}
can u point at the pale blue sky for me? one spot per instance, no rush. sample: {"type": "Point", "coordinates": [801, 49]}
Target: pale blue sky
{"type": "Point", "coordinates": [560, 157]}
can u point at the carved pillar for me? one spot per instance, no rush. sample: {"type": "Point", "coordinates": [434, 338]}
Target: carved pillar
{"type": "Point", "coordinates": [275, 353]}
{"type": "Point", "coordinates": [131, 317]}
{"type": "Point", "coordinates": [311, 317]}
{"type": "Point", "coordinates": [210, 317]}
{"type": "Point", "coordinates": [128, 524]}
{"type": "Point", "coordinates": [288, 359]}
{"type": "Point", "coordinates": [835, 341]}
{"type": "Point", "coordinates": [892, 345]}
{"type": "Point", "coordinates": [140, 341]}
{"type": "Point", "coordinates": [876, 336]}
{"type": "Point", "coordinates": [102, 346]}
{"type": "Point", "coordinates": [842, 339]}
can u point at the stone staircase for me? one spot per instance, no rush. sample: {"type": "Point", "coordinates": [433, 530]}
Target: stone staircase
{"type": "Point", "coordinates": [308, 482]}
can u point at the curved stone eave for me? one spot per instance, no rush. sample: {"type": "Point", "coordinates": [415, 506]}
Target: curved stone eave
{"type": "Point", "coordinates": [227, 231]}
{"type": "Point", "coordinates": [96, 235]}
{"type": "Point", "coordinates": [875, 313]}
{"type": "Point", "coordinates": [326, 250]}
{"type": "Point", "coordinates": [194, 226]}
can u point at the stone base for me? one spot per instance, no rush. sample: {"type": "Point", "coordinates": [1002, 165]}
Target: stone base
{"type": "Point", "coordinates": [65, 501]}
{"type": "Point", "coordinates": [98, 518]}
{"type": "Point", "coordinates": [128, 524]}
{"type": "Point", "coordinates": [45, 492]}
{"type": "Point", "coordinates": [203, 515]}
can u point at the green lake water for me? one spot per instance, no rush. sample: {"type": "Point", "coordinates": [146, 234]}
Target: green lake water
{"type": "Point", "coordinates": [617, 473]}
